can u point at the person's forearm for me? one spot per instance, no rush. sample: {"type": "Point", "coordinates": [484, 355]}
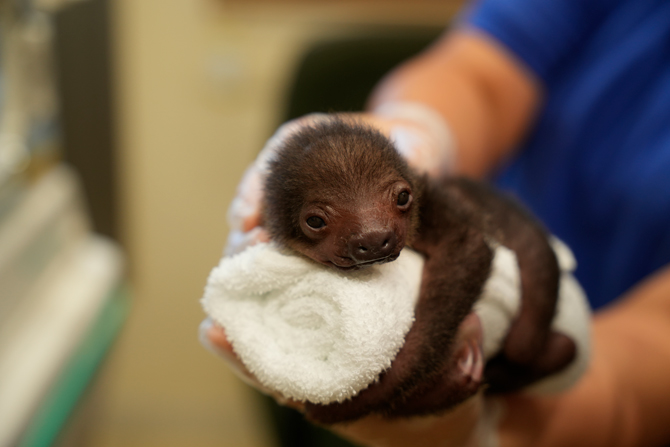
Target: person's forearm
{"type": "Point", "coordinates": [624, 399]}
{"type": "Point", "coordinates": [636, 335]}
{"type": "Point", "coordinates": [485, 94]}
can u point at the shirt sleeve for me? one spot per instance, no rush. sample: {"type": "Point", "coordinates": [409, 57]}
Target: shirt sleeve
{"type": "Point", "coordinates": [542, 33]}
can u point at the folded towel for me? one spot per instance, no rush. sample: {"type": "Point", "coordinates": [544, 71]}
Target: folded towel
{"type": "Point", "coordinates": [315, 334]}
{"type": "Point", "coordinates": [310, 332]}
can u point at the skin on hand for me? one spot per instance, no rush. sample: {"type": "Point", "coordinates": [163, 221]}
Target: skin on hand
{"type": "Point", "coordinates": [622, 401]}
{"type": "Point", "coordinates": [490, 99]}
{"type": "Point", "coordinates": [624, 398]}
{"type": "Point", "coordinates": [218, 342]}
{"type": "Point", "coordinates": [245, 213]}
{"type": "Point", "coordinates": [423, 153]}
{"type": "Point", "coordinates": [455, 428]}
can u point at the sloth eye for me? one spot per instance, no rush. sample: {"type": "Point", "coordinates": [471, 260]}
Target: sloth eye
{"type": "Point", "coordinates": [315, 222]}
{"type": "Point", "coordinates": [403, 198]}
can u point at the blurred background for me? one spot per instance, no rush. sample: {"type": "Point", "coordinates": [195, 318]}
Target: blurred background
{"type": "Point", "coordinates": [125, 126]}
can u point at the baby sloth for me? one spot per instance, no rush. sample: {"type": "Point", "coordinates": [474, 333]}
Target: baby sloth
{"type": "Point", "coordinates": [339, 193]}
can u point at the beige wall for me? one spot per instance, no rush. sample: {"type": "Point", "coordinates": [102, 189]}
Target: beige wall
{"type": "Point", "coordinates": [199, 90]}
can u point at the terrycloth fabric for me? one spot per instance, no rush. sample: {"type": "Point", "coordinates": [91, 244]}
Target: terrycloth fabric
{"type": "Point", "coordinates": [308, 331]}
{"type": "Point", "coordinates": [313, 333]}
{"type": "Point", "coordinates": [501, 300]}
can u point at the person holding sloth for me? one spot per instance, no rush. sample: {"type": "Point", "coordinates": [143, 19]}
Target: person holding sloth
{"type": "Point", "coordinates": [566, 103]}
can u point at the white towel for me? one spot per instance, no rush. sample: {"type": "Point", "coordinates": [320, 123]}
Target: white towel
{"type": "Point", "coordinates": [313, 333]}
{"type": "Point", "coordinates": [500, 302]}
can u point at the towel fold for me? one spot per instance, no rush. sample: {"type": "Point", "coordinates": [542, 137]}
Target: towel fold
{"type": "Point", "coordinates": [501, 300]}
{"type": "Point", "coordinates": [316, 334]}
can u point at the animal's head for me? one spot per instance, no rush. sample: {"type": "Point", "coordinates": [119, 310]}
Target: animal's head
{"type": "Point", "coordinates": [339, 193]}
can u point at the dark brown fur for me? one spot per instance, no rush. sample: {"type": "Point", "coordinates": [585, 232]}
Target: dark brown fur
{"type": "Point", "coordinates": [343, 170]}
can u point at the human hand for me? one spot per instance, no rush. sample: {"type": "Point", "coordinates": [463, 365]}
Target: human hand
{"type": "Point", "coordinates": [418, 133]}
{"type": "Point", "coordinates": [244, 213]}
{"type": "Point", "coordinates": [470, 424]}
{"type": "Point", "coordinates": [213, 337]}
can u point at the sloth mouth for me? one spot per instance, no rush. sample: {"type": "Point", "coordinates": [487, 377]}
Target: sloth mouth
{"type": "Point", "coordinates": [346, 263]}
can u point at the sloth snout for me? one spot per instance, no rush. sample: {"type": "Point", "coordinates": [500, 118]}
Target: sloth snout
{"type": "Point", "coordinates": [372, 245]}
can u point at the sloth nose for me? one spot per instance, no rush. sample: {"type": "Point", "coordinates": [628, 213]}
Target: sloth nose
{"type": "Point", "coordinates": [372, 245]}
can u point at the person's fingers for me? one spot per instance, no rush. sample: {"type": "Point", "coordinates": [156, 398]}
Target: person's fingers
{"type": "Point", "coordinates": [213, 337]}
{"type": "Point", "coordinates": [414, 143]}
{"type": "Point", "coordinates": [244, 213]}
{"type": "Point", "coordinates": [418, 148]}
{"type": "Point", "coordinates": [423, 150]}
{"type": "Point", "coordinates": [245, 210]}
{"type": "Point", "coordinates": [458, 424]}
{"type": "Point", "coordinates": [239, 240]}
{"type": "Point", "coordinates": [217, 336]}
{"type": "Point", "coordinates": [424, 146]}
{"type": "Point", "coordinates": [251, 221]}
{"type": "Point", "coordinates": [421, 135]}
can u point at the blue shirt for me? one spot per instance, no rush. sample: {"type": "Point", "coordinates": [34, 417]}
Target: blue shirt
{"type": "Point", "coordinates": [596, 166]}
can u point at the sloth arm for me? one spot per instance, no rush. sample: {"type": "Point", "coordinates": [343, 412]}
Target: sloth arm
{"type": "Point", "coordinates": [622, 400]}
{"type": "Point", "coordinates": [426, 362]}
{"type": "Point", "coordinates": [531, 350]}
